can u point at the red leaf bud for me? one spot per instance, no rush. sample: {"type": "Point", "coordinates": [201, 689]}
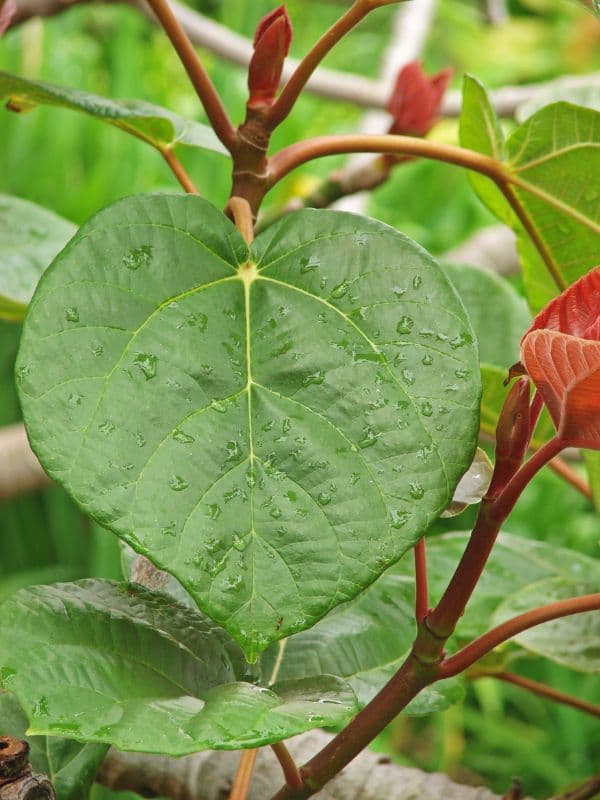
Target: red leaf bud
{"type": "Point", "coordinates": [512, 435]}
{"type": "Point", "coordinates": [271, 45]}
{"type": "Point", "coordinates": [416, 99]}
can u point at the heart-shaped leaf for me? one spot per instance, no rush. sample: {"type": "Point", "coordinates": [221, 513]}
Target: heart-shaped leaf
{"type": "Point", "coordinates": [566, 372]}
{"type": "Point", "coordinates": [102, 662]}
{"type": "Point", "coordinates": [573, 641]}
{"type": "Point", "coordinates": [158, 126]}
{"type": "Point", "coordinates": [553, 162]}
{"type": "Point", "coordinates": [70, 765]}
{"type": "Point", "coordinates": [30, 237]}
{"type": "Point", "coordinates": [274, 427]}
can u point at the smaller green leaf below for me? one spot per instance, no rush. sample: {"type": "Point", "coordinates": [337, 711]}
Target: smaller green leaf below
{"type": "Point", "coordinates": [157, 126]}
{"type": "Point", "coordinates": [30, 237]}
{"type": "Point", "coordinates": [71, 766]}
{"type": "Point", "coordinates": [573, 641]}
{"type": "Point", "coordinates": [102, 662]}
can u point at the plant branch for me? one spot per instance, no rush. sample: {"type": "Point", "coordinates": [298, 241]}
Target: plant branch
{"type": "Point", "coordinates": [421, 590]}
{"type": "Point", "coordinates": [293, 88]}
{"type": "Point", "coordinates": [507, 630]}
{"type": "Point", "coordinates": [177, 169]}
{"type": "Point", "coordinates": [535, 687]}
{"type": "Point", "coordinates": [442, 620]}
{"type": "Point", "coordinates": [243, 776]}
{"type": "Point", "coordinates": [587, 791]}
{"type": "Point", "coordinates": [288, 765]}
{"type": "Point", "coordinates": [197, 74]}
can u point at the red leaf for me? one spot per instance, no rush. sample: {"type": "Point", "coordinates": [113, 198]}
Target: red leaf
{"type": "Point", "coordinates": [271, 45]}
{"type": "Point", "coordinates": [416, 99]}
{"type": "Point", "coordinates": [566, 372]}
{"type": "Point", "coordinates": [7, 10]}
{"type": "Point", "coordinates": [576, 311]}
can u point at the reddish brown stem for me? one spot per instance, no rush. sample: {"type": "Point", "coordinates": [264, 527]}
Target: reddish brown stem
{"type": "Point", "coordinates": [243, 776]}
{"type": "Point", "coordinates": [288, 765]}
{"type": "Point", "coordinates": [507, 630]}
{"type": "Point", "coordinates": [293, 88]}
{"type": "Point", "coordinates": [421, 590]}
{"type": "Point", "coordinates": [293, 156]}
{"type": "Point", "coordinates": [177, 169]}
{"type": "Point", "coordinates": [540, 689]}
{"type": "Point", "coordinates": [197, 74]}
{"type": "Point", "coordinates": [442, 620]}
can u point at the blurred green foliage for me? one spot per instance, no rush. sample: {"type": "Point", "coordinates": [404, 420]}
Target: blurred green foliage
{"type": "Point", "coordinates": [75, 166]}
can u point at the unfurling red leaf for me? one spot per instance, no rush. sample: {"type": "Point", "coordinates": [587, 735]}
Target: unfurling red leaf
{"type": "Point", "coordinates": [416, 99]}
{"type": "Point", "coordinates": [271, 45]}
{"type": "Point", "coordinates": [566, 372]}
{"type": "Point", "coordinates": [576, 311]}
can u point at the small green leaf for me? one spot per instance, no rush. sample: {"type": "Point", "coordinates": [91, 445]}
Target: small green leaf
{"type": "Point", "coordinates": [273, 427]}
{"type": "Point", "coordinates": [102, 662]}
{"type": "Point", "coordinates": [364, 642]}
{"type": "Point", "coordinates": [573, 641]}
{"type": "Point", "coordinates": [515, 563]}
{"type": "Point", "coordinates": [71, 766]}
{"type": "Point", "coordinates": [155, 125]}
{"type": "Point", "coordinates": [30, 237]}
{"type": "Point", "coordinates": [480, 131]}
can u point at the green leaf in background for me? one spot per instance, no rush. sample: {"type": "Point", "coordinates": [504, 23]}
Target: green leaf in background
{"type": "Point", "coordinates": [364, 642]}
{"type": "Point", "coordinates": [158, 126]}
{"type": "Point", "coordinates": [591, 459]}
{"type": "Point", "coordinates": [274, 428]}
{"type": "Point", "coordinates": [572, 641]}
{"type": "Point", "coordinates": [515, 564]}
{"type": "Point", "coordinates": [114, 663]}
{"type": "Point", "coordinates": [30, 237]}
{"type": "Point", "coordinates": [498, 313]}
{"type": "Point", "coordinates": [553, 159]}
{"type": "Point", "coordinates": [480, 131]}
{"type": "Point", "coordinates": [70, 765]}
{"type": "Point", "coordinates": [585, 93]}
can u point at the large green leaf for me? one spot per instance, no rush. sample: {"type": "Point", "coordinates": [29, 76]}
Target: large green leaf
{"type": "Point", "coordinates": [553, 164]}
{"type": "Point", "coordinates": [70, 765]}
{"type": "Point", "coordinates": [155, 125]}
{"type": "Point", "coordinates": [573, 641]}
{"type": "Point", "coordinates": [102, 662]}
{"type": "Point", "coordinates": [515, 564]}
{"type": "Point", "coordinates": [30, 237]}
{"type": "Point", "coordinates": [274, 428]}
{"type": "Point", "coordinates": [364, 642]}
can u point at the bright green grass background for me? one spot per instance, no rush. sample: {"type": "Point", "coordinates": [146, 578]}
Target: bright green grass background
{"type": "Point", "coordinates": [75, 166]}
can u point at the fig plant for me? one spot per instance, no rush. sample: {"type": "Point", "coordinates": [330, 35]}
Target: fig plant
{"type": "Point", "coordinates": [275, 414]}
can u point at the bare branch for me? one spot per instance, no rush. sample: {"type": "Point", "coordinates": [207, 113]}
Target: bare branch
{"type": "Point", "coordinates": [328, 83]}
{"type": "Point", "coordinates": [20, 471]}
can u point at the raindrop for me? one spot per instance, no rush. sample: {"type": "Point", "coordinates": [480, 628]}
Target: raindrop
{"type": "Point", "coordinates": [354, 478]}
{"type": "Point", "coordinates": [138, 257]}
{"type": "Point", "coordinates": [169, 530]}
{"type": "Point", "coordinates": [72, 315]}
{"type": "Point", "coordinates": [427, 360]}
{"type": "Point", "coordinates": [462, 373]}
{"type": "Point", "coordinates": [218, 406]}
{"type": "Point", "coordinates": [310, 263]}
{"type": "Point", "coordinates": [106, 427]}
{"type": "Point", "coordinates": [292, 496]}
{"type": "Point", "coordinates": [213, 511]}
{"type": "Point", "coordinates": [408, 376]}
{"type": "Point", "coordinates": [75, 399]}
{"type": "Point", "coordinates": [268, 425]}
{"type": "Point", "coordinates": [462, 339]}
{"type": "Point", "coordinates": [286, 425]}
{"type": "Point", "coordinates": [233, 451]}
{"type": "Point", "coordinates": [22, 373]}
{"type": "Point", "coordinates": [361, 239]}
{"type": "Point", "coordinates": [182, 437]}
{"type": "Point", "coordinates": [416, 491]}
{"type": "Point", "coordinates": [177, 483]}
{"type": "Point", "coordinates": [234, 583]}
{"type": "Point", "coordinates": [340, 290]}
{"type": "Point", "coordinates": [240, 543]}
{"type": "Point", "coordinates": [140, 440]}
{"type": "Point", "coordinates": [399, 518]}
{"type": "Point", "coordinates": [40, 709]}
{"type": "Point", "coordinates": [426, 409]}
{"type": "Point", "coordinates": [324, 499]}
{"type": "Point", "coordinates": [275, 512]}
{"type": "Point", "coordinates": [197, 320]}
{"type": "Point", "coordinates": [315, 378]}
{"type": "Point", "coordinates": [369, 438]}
{"type": "Point", "coordinates": [97, 349]}
{"type": "Point", "coordinates": [147, 363]}
{"type": "Point", "coordinates": [417, 281]}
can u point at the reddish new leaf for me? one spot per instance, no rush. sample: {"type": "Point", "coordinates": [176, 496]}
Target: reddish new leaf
{"type": "Point", "coordinates": [7, 11]}
{"type": "Point", "coordinates": [271, 45]}
{"type": "Point", "coordinates": [576, 311]}
{"type": "Point", "coordinates": [566, 372]}
{"type": "Point", "coordinates": [416, 99]}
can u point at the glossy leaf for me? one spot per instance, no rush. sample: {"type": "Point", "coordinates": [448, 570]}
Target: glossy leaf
{"type": "Point", "coordinates": [30, 237]}
{"type": "Point", "coordinates": [273, 428]}
{"type": "Point", "coordinates": [480, 131]}
{"type": "Point", "coordinates": [566, 372]}
{"type": "Point", "coordinates": [70, 765]}
{"type": "Point", "coordinates": [103, 662]}
{"type": "Point", "coordinates": [498, 314]}
{"type": "Point", "coordinates": [364, 642]}
{"type": "Point", "coordinates": [573, 641]}
{"type": "Point", "coordinates": [575, 311]}
{"type": "Point", "coordinates": [155, 125]}
{"type": "Point", "coordinates": [514, 564]}
{"type": "Point", "coordinates": [550, 158]}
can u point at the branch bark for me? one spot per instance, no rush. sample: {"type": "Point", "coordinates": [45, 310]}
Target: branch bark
{"type": "Point", "coordinates": [209, 776]}
{"type": "Point", "coordinates": [328, 83]}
